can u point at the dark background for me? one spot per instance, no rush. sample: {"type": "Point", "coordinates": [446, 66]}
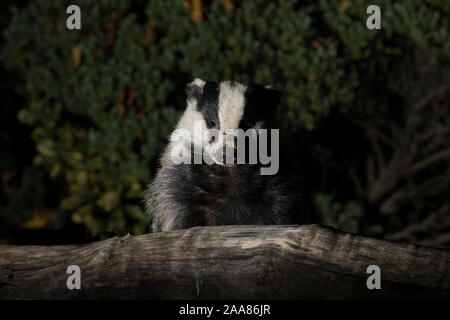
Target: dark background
{"type": "Point", "coordinates": [85, 113]}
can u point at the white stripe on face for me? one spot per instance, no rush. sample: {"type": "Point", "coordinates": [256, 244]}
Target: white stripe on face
{"type": "Point", "coordinates": [231, 105]}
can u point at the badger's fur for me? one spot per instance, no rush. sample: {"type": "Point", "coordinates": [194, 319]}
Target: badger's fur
{"type": "Point", "coordinates": [186, 195]}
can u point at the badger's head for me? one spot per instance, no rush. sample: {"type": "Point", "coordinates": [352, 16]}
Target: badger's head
{"type": "Point", "coordinates": [216, 110]}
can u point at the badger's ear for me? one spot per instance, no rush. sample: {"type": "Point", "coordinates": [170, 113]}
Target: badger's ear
{"type": "Point", "coordinates": [194, 90]}
{"type": "Point", "coordinates": [264, 100]}
{"type": "Point", "coordinates": [269, 100]}
{"type": "Point", "coordinates": [272, 96]}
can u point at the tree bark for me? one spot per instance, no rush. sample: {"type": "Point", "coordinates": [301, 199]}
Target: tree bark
{"type": "Point", "coordinates": [227, 262]}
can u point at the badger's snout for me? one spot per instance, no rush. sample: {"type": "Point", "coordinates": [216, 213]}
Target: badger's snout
{"type": "Point", "coordinates": [223, 148]}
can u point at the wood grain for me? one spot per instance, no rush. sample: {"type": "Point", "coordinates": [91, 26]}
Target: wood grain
{"type": "Point", "coordinates": [227, 262]}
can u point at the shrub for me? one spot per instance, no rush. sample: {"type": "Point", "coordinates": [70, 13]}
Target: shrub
{"type": "Point", "coordinates": [102, 100]}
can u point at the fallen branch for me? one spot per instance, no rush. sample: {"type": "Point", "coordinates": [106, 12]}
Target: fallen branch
{"type": "Point", "coordinates": [227, 262]}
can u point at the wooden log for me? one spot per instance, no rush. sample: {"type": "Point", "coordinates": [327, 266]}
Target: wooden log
{"type": "Point", "coordinates": [227, 262]}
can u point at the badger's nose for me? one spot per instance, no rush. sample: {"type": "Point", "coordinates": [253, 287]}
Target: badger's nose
{"type": "Point", "coordinates": [228, 154]}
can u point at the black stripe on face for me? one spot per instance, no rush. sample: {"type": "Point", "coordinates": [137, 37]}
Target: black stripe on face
{"type": "Point", "coordinates": [208, 104]}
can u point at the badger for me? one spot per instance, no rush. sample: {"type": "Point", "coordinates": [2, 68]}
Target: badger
{"type": "Point", "coordinates": [216, 192]}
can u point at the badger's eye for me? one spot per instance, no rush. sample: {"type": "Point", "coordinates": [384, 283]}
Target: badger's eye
{"type": "Point", "coordinates": [212, 123]}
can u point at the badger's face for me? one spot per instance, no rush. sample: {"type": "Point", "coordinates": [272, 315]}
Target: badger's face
{"type": "Point", "coordinates": [222, 108]}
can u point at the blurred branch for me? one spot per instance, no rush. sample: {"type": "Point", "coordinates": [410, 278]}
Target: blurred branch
{"type": "Point", "coordinates": [430, 160]}
{"type": "Point", "coordinates": [378, 152]}
{"type": "Point", "coordinates": [387, 177]}
{"type": "Point", "coordinates": [433, 133]}
{"type": "Point", "coordinates": [435, 221]}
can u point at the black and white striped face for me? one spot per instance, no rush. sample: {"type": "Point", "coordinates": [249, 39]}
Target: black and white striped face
{"type": "Point", "coordinates": [226, 106]}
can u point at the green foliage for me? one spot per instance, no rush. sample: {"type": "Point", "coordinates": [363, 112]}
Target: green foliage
{"type": "Point", "coordinates": [102, 100]}
{"type": "Point", "coordinates": [337, 215]}
{"type": "Point", "coordinates": [103, 154]}
{"type": "Point", "coordinates": [30, 196]}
